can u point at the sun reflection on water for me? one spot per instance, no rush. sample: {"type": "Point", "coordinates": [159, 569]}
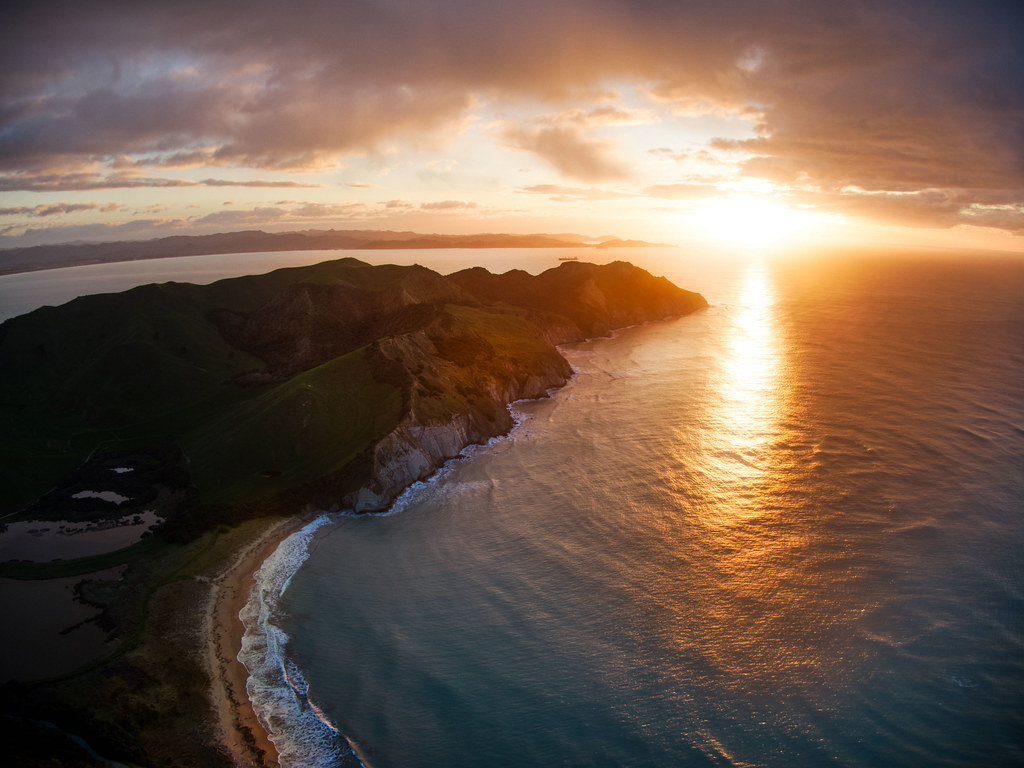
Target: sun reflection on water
{"type": "Point", "coordinates": [767, 620]}
{"type": "Point", "coordinates": [746, 423]}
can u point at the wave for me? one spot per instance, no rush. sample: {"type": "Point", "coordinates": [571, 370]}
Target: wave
{"type": "Point", "coordinates": [300, 731]}
{"type": "Point", "coordinates": [425, 489]}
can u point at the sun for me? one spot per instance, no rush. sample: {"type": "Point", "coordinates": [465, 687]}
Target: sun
{"type": "Point", "coordinates": [750, 219]}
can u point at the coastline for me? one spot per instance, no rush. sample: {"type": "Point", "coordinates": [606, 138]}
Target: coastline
{"type": "Point", "coordinates": [241, 734]}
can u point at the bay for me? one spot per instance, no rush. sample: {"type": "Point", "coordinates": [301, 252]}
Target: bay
{"type": "Point", "coordinates": [784, 531]}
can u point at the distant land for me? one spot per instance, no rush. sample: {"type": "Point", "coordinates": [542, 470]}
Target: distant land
{"type": "Point", "coordinates": [232, 412]}
{"type": "Point", "coordinates": [39, 257]}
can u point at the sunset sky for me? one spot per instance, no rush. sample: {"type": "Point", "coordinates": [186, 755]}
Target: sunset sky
{"type": "Point", "coordinates": [664, 120]}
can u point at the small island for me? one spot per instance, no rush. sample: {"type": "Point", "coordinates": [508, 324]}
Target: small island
{"type": "Point", "coordinates": [215, 420]}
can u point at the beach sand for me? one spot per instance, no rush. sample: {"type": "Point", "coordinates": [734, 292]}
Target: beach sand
{"type": "Point", "coordinates": [242, 735]}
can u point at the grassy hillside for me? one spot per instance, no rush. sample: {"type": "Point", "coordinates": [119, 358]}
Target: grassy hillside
{"type": "Point", "coordinates": [149, 366]}
{"type": "Point", "coordinates": [238, 401]}
{"type": "Point", "coordinates": [264, 385]}
{"type": "Point", "coordinates": [291, 434]}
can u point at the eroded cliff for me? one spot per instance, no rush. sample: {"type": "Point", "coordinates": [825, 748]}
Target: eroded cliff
{"type": "Point", "coordinates": [334, 386]}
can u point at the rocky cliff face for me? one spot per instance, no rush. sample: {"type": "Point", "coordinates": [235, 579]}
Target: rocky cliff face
{"type": "Point", "coordinates": [335, 385]}
{"type": "Point", "coordinates": [417, 448]}
{"type": "Point", "coordinates": [571, 303]}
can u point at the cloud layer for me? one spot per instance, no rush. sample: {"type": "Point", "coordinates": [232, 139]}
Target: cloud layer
{"type": "Point", "coordinates": [912, 109]}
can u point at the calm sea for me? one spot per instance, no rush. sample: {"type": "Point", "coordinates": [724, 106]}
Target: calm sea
{"type": "Point", "coordinates": [785, 531]}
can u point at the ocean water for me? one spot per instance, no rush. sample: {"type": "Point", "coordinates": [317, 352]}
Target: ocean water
{"type": "Point", "coordinates": [784, 531]}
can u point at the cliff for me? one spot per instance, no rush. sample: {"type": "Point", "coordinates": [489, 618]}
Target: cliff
{"type": "Point", "coordinates": [334, 386]}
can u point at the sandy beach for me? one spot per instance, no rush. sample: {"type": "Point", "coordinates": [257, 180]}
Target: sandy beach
{"type": "Point", "coordinates": [242, 735]}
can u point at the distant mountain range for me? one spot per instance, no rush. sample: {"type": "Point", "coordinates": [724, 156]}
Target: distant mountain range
{"type": "Point", "coordinates": [255, 241]}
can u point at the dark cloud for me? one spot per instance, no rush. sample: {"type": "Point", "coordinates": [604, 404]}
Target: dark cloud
{"type": "Point", "coordinates": [55, 209]}
{"type": "Point", "coordinates": [65, 182]}
{"type": "Point", "coordinates": [890, 97]}
{"type": "Point", "coordinates": [936, 208]}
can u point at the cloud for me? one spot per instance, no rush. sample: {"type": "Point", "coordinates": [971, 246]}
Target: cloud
{"type": "Point", "coordinates": [79, 181]}
{"type": "Point", "coordinates": [450, 206]}
{"type": "Point", "coordinates": [685, 191]}
{"type": "Point", "coordinates": [282, 216]}
{"type": "Point", "coordinates": [569, 151]}
{"type": "Point", "coordinates": [135, 229]}
{"type": "Point", "coordinates": [562, 194]}
{"type": "Point", "coordinates": [889, 97]}
{"type": "Point", "coordinates": [257, 183]}
{"type": "Point", "coordinates": [564, 140]}
{"type": "Point", "coordinates": [933, 208]}
{"type": "Point", "coordinates": [607, 114]}
{"type": "Point", "coordinates": [56, 209]}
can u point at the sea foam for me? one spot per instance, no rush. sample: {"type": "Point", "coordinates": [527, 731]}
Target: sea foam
{"type": "Point", "coordinates": [301, 733]}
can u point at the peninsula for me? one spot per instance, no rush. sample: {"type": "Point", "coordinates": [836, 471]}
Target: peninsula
{"type": "Point", "coordinates": [232, 412]}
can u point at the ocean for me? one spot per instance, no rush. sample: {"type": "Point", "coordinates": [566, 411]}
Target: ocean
{"type": "Point", "coordinates": [783, 531]}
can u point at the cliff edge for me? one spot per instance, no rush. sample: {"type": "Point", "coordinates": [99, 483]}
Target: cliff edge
{"type": "Point", "coordinates": [334, 386]}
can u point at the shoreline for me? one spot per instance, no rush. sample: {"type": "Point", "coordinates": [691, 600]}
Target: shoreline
{"type": "Point", "coordinates": [240, 732]}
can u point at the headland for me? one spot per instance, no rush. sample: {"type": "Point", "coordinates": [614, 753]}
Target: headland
{"type": "Point", "coordinates": [234, 410]}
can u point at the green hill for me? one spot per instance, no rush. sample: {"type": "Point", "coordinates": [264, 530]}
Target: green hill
{"type": "Point", "coordinates": [333, 385]}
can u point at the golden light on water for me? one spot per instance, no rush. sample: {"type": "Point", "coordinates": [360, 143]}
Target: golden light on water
{"type": "Point", "coordinates": [749, 393]}
{"type": "Point", "coordinates": [751, 365]}
{"type": "Point", "coordinates": [762, 620]}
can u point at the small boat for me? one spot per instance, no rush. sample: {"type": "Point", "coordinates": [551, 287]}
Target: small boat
{"type": "Point", "coordinates": [568, 258]}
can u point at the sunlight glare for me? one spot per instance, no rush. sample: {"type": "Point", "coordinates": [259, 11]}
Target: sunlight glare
{"type": "Point", "coordinates": [750, 219]}
{"type": "Point", "coordinates": [744, 426]}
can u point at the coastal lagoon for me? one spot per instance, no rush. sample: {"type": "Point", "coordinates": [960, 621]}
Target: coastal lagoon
{"type": "Point", "coordinates": [783, 531]}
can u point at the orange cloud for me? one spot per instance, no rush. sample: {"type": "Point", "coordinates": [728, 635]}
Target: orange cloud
{"type": "Point", "coordinates": [886, 97]}
{"type": "Point", "coordinates": [569, 151]}
{"type": "Point", "coordinates": [574, 194]}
